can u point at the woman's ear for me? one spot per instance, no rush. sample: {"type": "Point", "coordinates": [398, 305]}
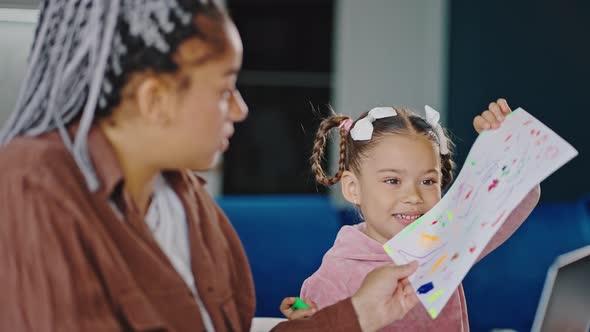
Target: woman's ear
{"type": "Point", "coordinates": [153, 101]}
{"type": "Point", "coordinates": [350, 187]}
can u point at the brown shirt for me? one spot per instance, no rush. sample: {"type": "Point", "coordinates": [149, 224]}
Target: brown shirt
{"type": "Point", "coordinates": [69, 263]}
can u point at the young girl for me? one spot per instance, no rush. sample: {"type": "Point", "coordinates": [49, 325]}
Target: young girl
{"type": "Point", "coordinates": [393, 167]}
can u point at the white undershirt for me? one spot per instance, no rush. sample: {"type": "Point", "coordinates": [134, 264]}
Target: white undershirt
{"type": "Point", "coordinates": [167, 220]}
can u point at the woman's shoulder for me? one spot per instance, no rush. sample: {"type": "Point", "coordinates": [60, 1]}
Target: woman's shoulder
{"type": "Point", "coordinates": [35, 159]}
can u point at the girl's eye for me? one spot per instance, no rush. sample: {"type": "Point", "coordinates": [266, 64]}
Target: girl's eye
{"type": "Point", "coordinates": [429, 182]}
{"type": "Point", "coordinates": [392, 181]}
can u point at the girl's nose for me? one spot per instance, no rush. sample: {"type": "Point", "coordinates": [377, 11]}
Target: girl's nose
{"type": "Point", "coordinates": [412, 195]}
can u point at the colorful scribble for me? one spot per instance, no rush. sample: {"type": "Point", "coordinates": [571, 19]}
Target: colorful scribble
{"type": "Point", "coordinates": [493, 185]}
{"type": "Point", "coordinates": [499, 218]}
{"type": "Point", "coordinates": [450, 215]}
{"type": "Point", "coordinates": [435, 296]}
{"type": "Point", "coordinates": [438, 263]}
{"type": "Point", "coordinates": [428, 241]}
{"type": "Point", "coordinates": [427, 287]}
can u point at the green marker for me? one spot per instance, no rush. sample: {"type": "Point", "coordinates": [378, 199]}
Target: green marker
{"type": "Point", "coordinates": [299, 304]}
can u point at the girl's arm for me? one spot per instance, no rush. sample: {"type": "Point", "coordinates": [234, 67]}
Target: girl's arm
{"type": "Point", "coordinates": [322, 291]}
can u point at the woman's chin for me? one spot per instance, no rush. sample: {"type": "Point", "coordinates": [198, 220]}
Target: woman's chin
{"type": "Point", "coordinates": [205, 164]}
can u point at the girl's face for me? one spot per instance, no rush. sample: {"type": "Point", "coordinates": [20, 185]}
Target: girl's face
{"type": "Point", "coordinates": [399, 181]}
{"type": "Point", "coordinates": [207, 110]}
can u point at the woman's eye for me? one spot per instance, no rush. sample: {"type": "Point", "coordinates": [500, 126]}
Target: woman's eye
{"type": "Point", "coordinates": [392, 181]}
{"type": "Point", "coordinates": [428, 182]}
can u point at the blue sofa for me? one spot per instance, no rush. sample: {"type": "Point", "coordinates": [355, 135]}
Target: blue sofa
{"type": "Point", "coordinates": [285, 238]}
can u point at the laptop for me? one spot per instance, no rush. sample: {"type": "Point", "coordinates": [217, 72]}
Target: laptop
{"type": "Point", "coordinates": [565, 301]}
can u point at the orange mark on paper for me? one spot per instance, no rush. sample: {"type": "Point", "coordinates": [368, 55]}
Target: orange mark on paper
{"type": "Point", "coordinates": [438, 263]}
{"type": "Point", "coordinates": [427, 241]}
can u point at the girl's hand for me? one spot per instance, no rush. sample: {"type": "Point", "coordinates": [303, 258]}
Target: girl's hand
{"type": "Point", "coordinates": [292, 314]}
{"type": "Point", "coordinates": [492, 117]}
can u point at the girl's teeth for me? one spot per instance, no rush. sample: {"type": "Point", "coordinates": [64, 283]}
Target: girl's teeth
{"type": "Point", "coordinates": [406, 217]}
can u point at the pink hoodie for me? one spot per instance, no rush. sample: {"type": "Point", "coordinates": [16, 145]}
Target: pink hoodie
{"type": "Point", "coordinates": [354, 255]}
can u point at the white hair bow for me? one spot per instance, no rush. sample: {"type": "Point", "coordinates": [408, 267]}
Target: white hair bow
{"type": "Point", "coordinates": [432, 117]}
{"type": "Point", "coordinates": [363, 128]}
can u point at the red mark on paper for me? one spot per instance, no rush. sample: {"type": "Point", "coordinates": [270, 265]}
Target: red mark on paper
{"type": "Point", "coordinates": [508, 138]}
{"type": "Point", "coordinates": [434, 222]}
{"type": "Point", "coordinates": [551, 152]}
{"type": "Point", "coordinates": [455, 256]}
{"type": "Point", "coordinates": [472, 249]}
{"type": "Point", "coordinates": [493, 185]}
{"type": "Point", "coordinates": [527, 123]}
{"type": "Point", "coordinates": [541, 140]}
{"type": "Point", "coordinates": [468, 195]}
{"type": "Point", "coordinates": [498, 220]}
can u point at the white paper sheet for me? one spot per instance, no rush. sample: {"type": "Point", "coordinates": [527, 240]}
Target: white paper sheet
{"type": "Point", "coordinates": [501, 168]}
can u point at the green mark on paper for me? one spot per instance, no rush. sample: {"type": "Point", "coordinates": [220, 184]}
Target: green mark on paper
{"type": "Point", "coordinates": [433, 313]}
{"type": "Point", "coordinates": [444, 224]}
{"type": "Point", "coordinates": [411, 227]}
{"type": "Point", "coordinates": [435, 296]}
{"type": "Point", "coordinates": [450, 215]}
{"type": "Point", "coordinates": [473, 163]}
{"type": "Point", "coordinates": [387, 249]}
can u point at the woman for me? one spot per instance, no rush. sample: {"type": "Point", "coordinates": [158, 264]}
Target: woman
{"type": "Point", "coordinates": [102, 226]}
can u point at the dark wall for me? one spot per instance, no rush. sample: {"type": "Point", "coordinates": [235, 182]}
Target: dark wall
{"type": "Point", "coordinates": [286, 74]}
{"type": "Point", "coordinates": [537, 55]}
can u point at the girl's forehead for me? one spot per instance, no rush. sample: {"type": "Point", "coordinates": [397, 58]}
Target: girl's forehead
{"type": "Point", "coordinates": [413, 151]}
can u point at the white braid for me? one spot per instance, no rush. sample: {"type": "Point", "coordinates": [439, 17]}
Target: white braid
{"type": "Point", "coordinates": [76, 43]}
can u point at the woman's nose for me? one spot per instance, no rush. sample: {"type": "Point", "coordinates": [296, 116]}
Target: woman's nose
{"type": "Point", "coordinates": [238, 110]}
